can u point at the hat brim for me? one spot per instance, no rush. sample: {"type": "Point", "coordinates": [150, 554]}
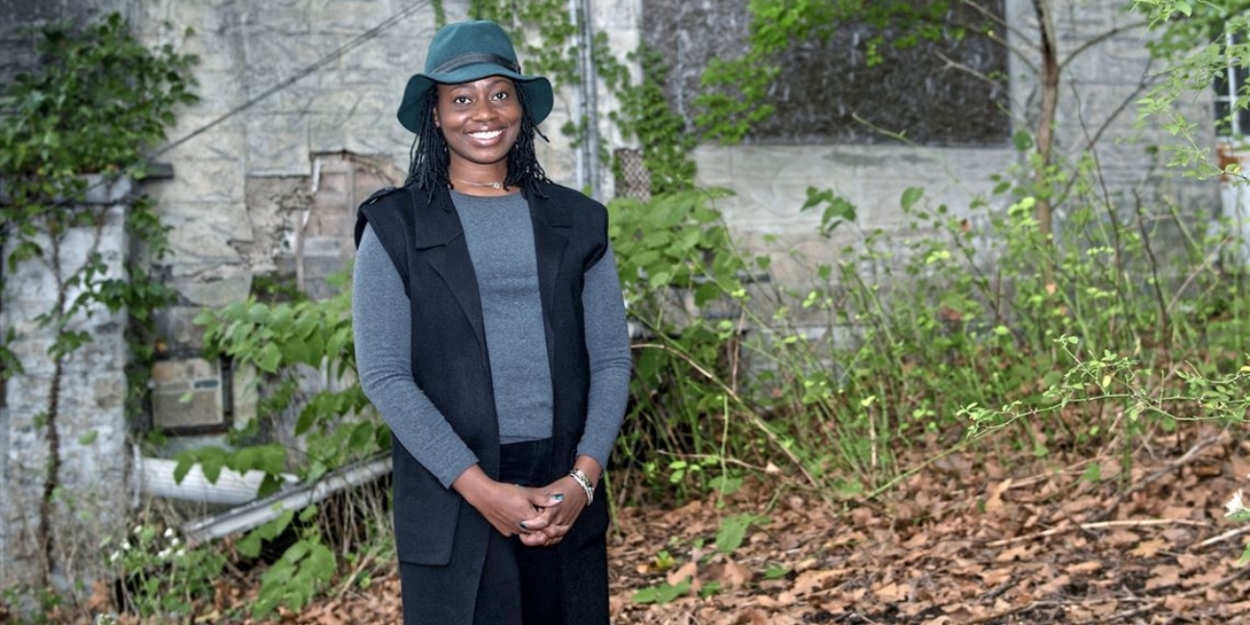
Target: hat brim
{"type": "Point", "coordinates": [538, 95]}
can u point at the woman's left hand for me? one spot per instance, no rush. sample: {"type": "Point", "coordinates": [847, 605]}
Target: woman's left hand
{"type": "Point", "coordinates": [560, 518]}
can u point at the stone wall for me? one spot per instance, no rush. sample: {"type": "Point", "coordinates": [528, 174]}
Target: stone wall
{"type": "Point", "coordinates": [83, 424]}
{"type": "Point", "coordinates": [1098, 89]}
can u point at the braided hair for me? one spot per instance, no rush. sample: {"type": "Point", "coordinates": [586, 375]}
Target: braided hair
{"type": "Point", "coordinates": [428, 159]}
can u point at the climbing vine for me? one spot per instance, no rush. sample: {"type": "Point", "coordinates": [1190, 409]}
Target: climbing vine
{"type": "Point", "coordinates": [78, 125]}
{"type": "Point", "coordinates": [547, 40]}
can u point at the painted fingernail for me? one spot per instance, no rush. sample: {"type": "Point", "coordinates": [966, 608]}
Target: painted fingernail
{"type": "Point", "coordinates": [557, 496]}
{"type": "Point", "coordinates": [523, 525]}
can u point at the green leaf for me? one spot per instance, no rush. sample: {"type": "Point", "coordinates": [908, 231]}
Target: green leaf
{"type": "Point", "coordinates": [733, 530]}
{"type": "Point", "coordinates": [910, 196]}
{"type": "Point", "coordinates": [88, 437]}
{"type": "Point", "coordinates": [250, 545]}
{"type": "Point", "coordinates": [269, 358]}
{"type": "Point", "coordinates": [1022, 140]}
{"type": "Point", "coordinates": [662, 594]}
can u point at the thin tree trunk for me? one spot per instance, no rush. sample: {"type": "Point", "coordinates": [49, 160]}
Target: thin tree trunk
{"type": "Point", "coordinates": [1050, 69]}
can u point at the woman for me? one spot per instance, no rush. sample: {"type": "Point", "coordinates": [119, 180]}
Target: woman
{"type": "Point", "coordinates": [490, 335]}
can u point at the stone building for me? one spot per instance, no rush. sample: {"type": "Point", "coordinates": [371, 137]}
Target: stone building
{"type": "Point", "coordinates": [296, 126]}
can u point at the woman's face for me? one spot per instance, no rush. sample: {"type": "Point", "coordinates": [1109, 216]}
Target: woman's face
{"type": "Point", "coordinates": [480, 121]}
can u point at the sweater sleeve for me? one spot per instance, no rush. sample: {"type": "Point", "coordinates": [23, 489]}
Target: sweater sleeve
{"type": "Point", "coordinates": [382, 325]}
{"type": "Point", "coordinates": [607, 344]}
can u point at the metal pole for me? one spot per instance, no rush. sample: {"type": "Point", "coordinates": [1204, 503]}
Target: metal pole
{"type": "Point", "coordinates": [591, 92]}
{"type": "Point", "coordinates": [579, 97]}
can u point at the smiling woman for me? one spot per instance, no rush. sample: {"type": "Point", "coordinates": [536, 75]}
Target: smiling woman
{"type": "Point", "coordinates": [490, 334]}
{"type": "Point", "coordinates": [480, 122]}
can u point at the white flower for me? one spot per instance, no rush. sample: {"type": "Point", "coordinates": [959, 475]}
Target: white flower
{"type": "Point", "coordinates": [115, 556]}
{"type": "Point", "coordinates": [169, 532]}
{"type": "Point", "coordinates": [125, 545]}
{"type": "Point", "coordinates": [137, 529]}
{"type": "Point", "coordinates": [180, 553]}
{"type": "Point", "coordinates": [1235, 504]}
{"type": "Point", "coordinates": [174, 542]}
{"type": "Point", "coordinates": [165, 553]}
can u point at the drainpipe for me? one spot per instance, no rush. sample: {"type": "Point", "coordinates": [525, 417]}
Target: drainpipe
{"type": "Point", "coordinates": [154, 477]}
{"type": "Point", "coordinates": [590, 98]}
{"type": "Point", "coordinates": [578, 96]}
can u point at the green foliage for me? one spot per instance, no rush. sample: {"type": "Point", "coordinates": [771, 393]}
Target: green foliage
{"type": "Point", "coordinates": [1198, 41]}
{"type": "Point", "coordinates": [646, 115]}
{"type": "Point", "coordinates": [162, 577]}
{"type": "Point", "coordinates": [282, 341]}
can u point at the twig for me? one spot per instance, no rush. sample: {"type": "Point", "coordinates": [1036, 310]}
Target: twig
{"type": "Point", "coordinates": [998, 590]}
{"type": "Point", "coordinates": [1094, 526]}
{"type": "Point", "coordinates": [1222, 537]}
{"type": "Point", "coordinates": [1170, 467]}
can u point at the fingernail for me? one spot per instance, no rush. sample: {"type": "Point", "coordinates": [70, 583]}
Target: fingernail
{"type": "Point", "coordinates": [557, 496]}
{"type": "Point", "coordinates": [523, 525]}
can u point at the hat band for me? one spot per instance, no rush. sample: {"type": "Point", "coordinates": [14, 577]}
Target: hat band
{"type": "Point", "coordinates": [476, 58]}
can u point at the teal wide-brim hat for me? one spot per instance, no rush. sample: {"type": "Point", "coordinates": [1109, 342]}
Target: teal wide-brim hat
{"type": "Point", "coordinates": [468, 51]}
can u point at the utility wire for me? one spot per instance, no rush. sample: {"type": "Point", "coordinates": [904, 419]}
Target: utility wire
{"type": "Point", "coordinates": [342, 50]}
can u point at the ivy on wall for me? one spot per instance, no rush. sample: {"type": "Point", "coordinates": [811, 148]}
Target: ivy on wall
{"type": "Point", "coordinates": [97, 101]}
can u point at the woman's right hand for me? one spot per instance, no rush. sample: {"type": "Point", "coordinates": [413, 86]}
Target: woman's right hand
{"type": "Point", "coordinates": [505, 506]}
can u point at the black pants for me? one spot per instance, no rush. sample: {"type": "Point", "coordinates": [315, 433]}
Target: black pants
{"type": "Point", "coordinates": [519, 585]}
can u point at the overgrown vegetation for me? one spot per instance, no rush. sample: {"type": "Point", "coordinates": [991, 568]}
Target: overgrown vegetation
{"type": "Point", "coordinates": [981, 329]}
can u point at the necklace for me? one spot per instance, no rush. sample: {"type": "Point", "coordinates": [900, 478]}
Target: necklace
{"type": "Point", "coordinates": [498, 186]}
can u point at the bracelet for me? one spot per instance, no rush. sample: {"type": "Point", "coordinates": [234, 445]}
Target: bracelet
{"type": "Point", "coordinates": [579, 476]}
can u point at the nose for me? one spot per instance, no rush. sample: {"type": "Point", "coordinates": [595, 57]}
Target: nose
{"type": "Point", "coordinates": [482, 110]}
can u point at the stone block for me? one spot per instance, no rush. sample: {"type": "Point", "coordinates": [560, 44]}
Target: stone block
{"type": "Point", "coordinates": [204, 231]}
{"type": "Point", "coordinates": [213, 285]}
{"type": "Point", "coordinates": [277, 145]}
{"type": "Point", "coordinates": [204, 181]}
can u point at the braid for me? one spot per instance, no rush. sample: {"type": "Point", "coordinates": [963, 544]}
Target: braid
{"type": "Point", "coordinates": [523, 167]}
{"type": "Point", "coordinates": [428, 159]}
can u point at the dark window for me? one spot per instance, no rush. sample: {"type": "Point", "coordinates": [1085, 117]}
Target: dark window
{"type": "Point", "coordinates": [943, 93]}
{"type": "Point", "coordinates": [1230, 119]}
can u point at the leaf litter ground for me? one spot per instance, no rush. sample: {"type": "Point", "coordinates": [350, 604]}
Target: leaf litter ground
{"type": "Point", "coordinates": [963, 541]}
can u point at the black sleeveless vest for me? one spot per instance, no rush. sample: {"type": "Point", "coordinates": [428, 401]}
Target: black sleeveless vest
{"type": "Point", "coordinates": [423, 236]}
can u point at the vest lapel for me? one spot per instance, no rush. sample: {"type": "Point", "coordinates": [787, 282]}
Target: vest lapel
{"type": "Point", "coordinates": [550, 238]}
{"type": "Point", "coordinates": [439, 239]}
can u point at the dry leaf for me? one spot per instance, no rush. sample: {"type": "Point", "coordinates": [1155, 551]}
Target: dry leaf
{"type": "Point", "coordinates": [735, 575]}
{"type": "Point", "coordinates": [1149, 548]}
{"type": "Point", "coordinates": [810, 581]}
{"type": "Point", "coordinates": [1163, 577]}
{"type": "Point", "coordinates": [687, 570]}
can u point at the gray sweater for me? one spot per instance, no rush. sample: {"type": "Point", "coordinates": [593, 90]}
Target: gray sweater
{"type": "Point", "coordinates": [500, 239]}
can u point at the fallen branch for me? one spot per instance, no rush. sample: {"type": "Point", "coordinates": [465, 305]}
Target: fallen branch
{"type": "Point", "coordinates": [1094, 526]}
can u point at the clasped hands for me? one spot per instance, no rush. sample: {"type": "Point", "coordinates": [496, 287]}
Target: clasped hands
{"type": "Point", "coordinates": [541, 516]}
